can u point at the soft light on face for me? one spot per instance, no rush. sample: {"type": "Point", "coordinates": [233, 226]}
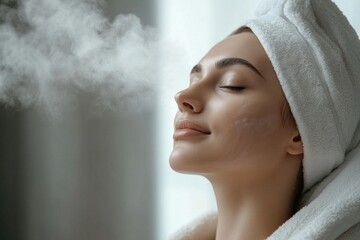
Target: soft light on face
{"type": "Point", "coordinates": [229, 118]}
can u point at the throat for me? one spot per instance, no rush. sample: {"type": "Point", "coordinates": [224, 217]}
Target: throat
{"type": "Point", "coordinates": [248, 223]}
{"type": "Point", "coordinates": [254, 215]}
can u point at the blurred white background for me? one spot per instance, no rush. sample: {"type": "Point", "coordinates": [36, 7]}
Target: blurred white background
{"type": "Point", "coordinates": [106, 176]}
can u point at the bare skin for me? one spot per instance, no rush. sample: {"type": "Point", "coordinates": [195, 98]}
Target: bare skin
{"type": "Point", "coordinates": [229, 129]}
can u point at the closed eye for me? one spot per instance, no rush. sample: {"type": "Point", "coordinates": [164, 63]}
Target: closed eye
{"type": "Point", "coordinates": [233, 88]}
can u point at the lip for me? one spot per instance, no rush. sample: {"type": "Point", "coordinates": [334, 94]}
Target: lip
{"type": "Point", "coordinates": [185, 129]}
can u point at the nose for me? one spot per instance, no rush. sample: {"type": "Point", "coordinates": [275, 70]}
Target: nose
{"type": "Point", "coordinates": [188, 101]}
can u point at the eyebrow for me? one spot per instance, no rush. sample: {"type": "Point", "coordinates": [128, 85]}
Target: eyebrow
{"type": "Point", "coordinates": [227, 62]}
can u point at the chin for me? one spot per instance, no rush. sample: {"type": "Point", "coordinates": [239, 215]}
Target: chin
{"type": "Point", "coordinates": [187, 165]}
{"type": "Point", "coordinates": [181, 164]}
{"type": "Point", "coordinates": [177, 163]}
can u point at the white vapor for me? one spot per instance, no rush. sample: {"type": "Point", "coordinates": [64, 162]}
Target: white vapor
{"type": "Point", "coordinates": [52, 51]}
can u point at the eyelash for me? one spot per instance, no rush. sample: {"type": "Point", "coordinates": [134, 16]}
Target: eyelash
{"type": "Point", "coordinates": [233, 88]}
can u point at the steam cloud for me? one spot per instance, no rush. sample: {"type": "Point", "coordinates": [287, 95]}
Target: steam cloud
{"type": "Point", "coordinates": [52, 51]}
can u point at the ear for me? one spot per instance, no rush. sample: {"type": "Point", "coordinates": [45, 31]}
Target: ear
{"type": "Point", "coordinates": [295, 146]}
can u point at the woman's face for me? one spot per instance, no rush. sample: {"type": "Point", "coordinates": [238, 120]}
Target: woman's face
{"type": "Point", "coordinates": [229, 118]}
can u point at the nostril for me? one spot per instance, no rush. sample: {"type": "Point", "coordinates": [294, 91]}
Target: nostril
{"type": "Point", "coordinates": [188, 105]}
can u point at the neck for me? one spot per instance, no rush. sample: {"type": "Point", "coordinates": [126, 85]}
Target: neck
{"type": "Point", "coordinates": [252, 212]}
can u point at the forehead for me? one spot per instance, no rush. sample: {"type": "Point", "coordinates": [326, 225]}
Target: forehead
{"type": "Point", "coordinates": [244, 45]}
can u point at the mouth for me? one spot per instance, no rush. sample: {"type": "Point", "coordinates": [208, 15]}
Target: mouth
{"type": "Point", "coordinates": [187, 129]}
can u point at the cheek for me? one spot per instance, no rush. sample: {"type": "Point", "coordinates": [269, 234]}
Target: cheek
{"type": "Point", "coordinates": [256, 125]}
{"type": "Point", "coordinates": [252, 135]}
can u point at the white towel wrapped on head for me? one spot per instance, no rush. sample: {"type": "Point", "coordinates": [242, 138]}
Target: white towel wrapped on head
{"type": "Point", "coordinates": [316, 56]}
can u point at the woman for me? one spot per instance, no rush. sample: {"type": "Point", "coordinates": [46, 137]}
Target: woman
{"type": "Point", "coordinates": [235, 127]}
